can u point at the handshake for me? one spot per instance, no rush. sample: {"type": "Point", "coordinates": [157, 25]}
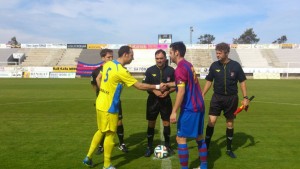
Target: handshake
{"type": "Point", "coordinates": [163, 87]}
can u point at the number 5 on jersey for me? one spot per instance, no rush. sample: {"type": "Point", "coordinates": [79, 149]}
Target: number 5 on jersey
{"type": "Point", "coordinates": [106, 78]}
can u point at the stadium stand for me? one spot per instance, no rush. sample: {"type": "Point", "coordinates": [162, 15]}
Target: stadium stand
{"type": "Point", "coordinates": [5, 54]}
{"type": "Point", "coordinates": [92, 56]}
{"type": "Point", "coordinates": [213, 55]}
{"type": "Point", "coordinates": [70, 57]}
{"type": "Point", "coordinates": [232, 55]}
{"type": "Point", "coordinates": [54, 57]}
{"type": "Point", "coordinates": [143, 58]}
{"type": "Point", "coordinates": [199, 57]}
{"type": "Point", "coordinates": [89, 56]}
{"type": "Point", "coordinates": [43, 57]}
{"type": "Point", "coordinates": [86, 60]}
{"type": "Point", "coordinates": [288, 57]}
{"type": "Point", "coordinates": [271, 58]}
{"type": "Point", "coordinates": [252, 58]}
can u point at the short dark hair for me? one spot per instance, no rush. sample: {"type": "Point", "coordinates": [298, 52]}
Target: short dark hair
{"type": "Point", "coordinates": [223, 47]}
{"type": "Point", "coordinates": [103, 52]}
{"type": "Point", "coordinates": [180, 46]}
{"type": "Point", "coordinates": [124, 49]}
{"type": "Point", "coordinates": [161, 51]}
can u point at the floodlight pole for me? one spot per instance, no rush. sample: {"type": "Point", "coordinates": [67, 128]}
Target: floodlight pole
{"type": "Point", "coordinates": [191, 31]}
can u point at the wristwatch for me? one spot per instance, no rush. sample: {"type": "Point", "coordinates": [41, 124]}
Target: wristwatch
{"type": "Point", "coordinates": [245, 97]}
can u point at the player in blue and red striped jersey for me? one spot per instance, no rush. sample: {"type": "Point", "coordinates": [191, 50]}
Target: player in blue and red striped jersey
{"type": "Point", "coordinates": [190, 101]}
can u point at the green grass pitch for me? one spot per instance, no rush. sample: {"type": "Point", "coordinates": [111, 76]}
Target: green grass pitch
{"type": "Point", "coordinates": [49, 123]}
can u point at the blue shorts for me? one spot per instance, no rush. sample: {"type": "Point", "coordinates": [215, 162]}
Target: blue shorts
{"type": "Point", "coordinates": [190, 124]}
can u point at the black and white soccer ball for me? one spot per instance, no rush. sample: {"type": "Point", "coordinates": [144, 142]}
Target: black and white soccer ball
{"type": "Point", "coordinates": [161, 151]}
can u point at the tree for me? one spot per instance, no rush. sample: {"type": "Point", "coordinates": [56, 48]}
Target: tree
{"type": "Point", "coordinates": [248, 37]}
{"type": "Point", "coordinates": [281, 40]}
{"type": "Point", "coordinates": [13, 42]}
{"type": "Point", "coordinates": [206, 39]}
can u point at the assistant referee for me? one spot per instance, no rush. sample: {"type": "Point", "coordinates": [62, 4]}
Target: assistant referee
{"type": "Point", "coordinates": [225, 73]}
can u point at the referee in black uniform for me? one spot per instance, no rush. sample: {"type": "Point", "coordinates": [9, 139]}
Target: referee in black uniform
{"type": "Point", "coordinates": [159, 102]}
{"type": "Point", "coordinates": [225, 73]}
{"type": "Point", "coordinates": [107, 55]}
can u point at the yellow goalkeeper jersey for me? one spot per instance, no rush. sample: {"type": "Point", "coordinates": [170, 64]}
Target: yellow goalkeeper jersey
{"type": "Point", "coordinates": [114, 77]}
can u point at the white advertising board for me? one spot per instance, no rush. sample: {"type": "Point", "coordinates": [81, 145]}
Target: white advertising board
{"type": "Point", "coordinates": [10, 74]}
{"type": "Point", "coordinates": [63, 75]}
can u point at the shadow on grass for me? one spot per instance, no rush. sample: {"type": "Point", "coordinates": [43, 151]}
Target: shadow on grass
{"type": "Point", "coordinates": [240, 140]}
{"type": "Point", "coordinates": [137, 144]}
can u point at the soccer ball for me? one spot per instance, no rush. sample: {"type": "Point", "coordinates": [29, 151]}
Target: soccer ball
{"type": "Point", "coordinates": [161, 151]}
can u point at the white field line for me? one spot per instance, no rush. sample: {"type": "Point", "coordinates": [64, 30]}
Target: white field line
{"type": "Point", "coordinates": [281, 103]}
{"type": "Point", "coordinates": [166, 163]}
{"type": "Point", "coordinates": [43, 101]}
{"type": "Point", "coordinates": [68, 100]}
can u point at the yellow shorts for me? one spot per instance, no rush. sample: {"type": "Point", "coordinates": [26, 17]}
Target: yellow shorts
{"type": "Point", "coordinates": [107, 121]}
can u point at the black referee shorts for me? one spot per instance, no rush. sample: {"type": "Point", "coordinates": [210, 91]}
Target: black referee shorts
{"type": "Point", "coordinates": [227, 104]}
{"type": "Point", "coordinates": [157, 105]}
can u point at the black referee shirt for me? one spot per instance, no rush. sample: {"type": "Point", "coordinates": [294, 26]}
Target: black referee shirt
{"type": "Point", "coordinates": [225, 77]}
{"type": "Point", "coordinates": [154, 75]}
{"type": "Point", "coordinates": [94, 76]}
